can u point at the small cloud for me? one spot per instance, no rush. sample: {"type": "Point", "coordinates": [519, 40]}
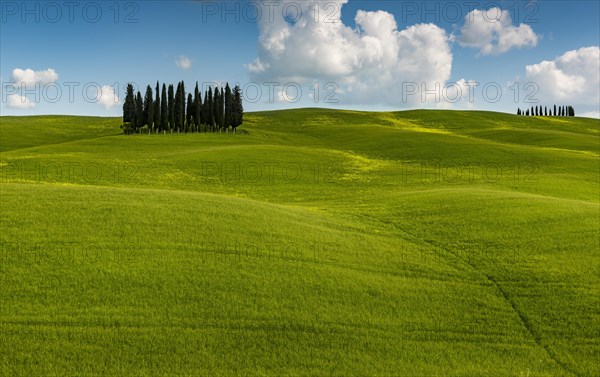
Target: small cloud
{"type": "Point", "coordinates": [31, 77]}
{"type": "Point", "coordinates": [183, 62]}
{"type": "Point", "coordinates": [16, 101]}
{"type": "Point", "coordinates": [106, 97]}
{"type": "Point", "coordinates": [493, 33]}
{"type": "Point", "coordinates": [257, 66]}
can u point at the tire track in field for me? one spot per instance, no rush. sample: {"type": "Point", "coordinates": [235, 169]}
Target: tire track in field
{"type": "Point", "coordinates": [524, 320]}
{"type": "Point", "coordinates": [536, 337]}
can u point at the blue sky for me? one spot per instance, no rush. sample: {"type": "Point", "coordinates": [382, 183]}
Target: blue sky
{"type": "Point", "coordinates": [372, 55]}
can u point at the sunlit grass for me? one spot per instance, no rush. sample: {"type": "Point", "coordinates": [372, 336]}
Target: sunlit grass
{"type": "Point", "coordinates": [316, 242]}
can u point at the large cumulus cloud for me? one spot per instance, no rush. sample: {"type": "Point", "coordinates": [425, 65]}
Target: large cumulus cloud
{"type": "Point", "coordinates": [572, 78]}
{"type": "Point", "coordinates": [370, 63]}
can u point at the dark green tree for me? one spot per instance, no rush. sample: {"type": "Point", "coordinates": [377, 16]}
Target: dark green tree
{"type": "Point", "coordinates": [216, 112]}
{"type": "Point", "coordinates": [171, 107]}
{"type": "Point", "coordinates": [164, 110]}
{"type": "Point", "coordinates": [221, 107]}
{"type": "Point", "coordinates": [139, 112]}
{"type": "Point", "coordinates": [190, 114]}
{"type": "Point", "coordinates": [148, 108]}
{"type": "Point", "coordinates": [197, 107]}
{"type": "Point", "coordinates": [209, 108]}
{"type": "Point", "coordinates": [228, 106]}
{"type": "Point", "coordinates": [237, 108]}
{"type": "Point", "coordinates": [157, 116]}
{"type": "Point", "coordinates": [177, 108]}
{"type": "Point", "coordinates": [182, 106]}
{"type": "Point", "coordinates": [129, 105]}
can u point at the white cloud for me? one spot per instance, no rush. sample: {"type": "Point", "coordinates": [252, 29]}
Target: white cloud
{"type": "Point", "coordinates": [30, 77]}
{"type": "Point", "coordinates": [573, 78]}
{"type": "Point", "coordinates": [16, 101]}
{"type": "Point", "coordinates": [493, 33]}
{"type": "Point", "coordinates": [106, 97]}
{"type": "Point", "coordinates": [590, 114]}
{"type": "Point", "coordinates": [183, 62]}
{"type": "Point", "coordinates": [369, 63]}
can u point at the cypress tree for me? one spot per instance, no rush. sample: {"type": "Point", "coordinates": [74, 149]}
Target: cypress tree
{"type": "Point", "coordinates": [209, 108]}
{"type": "Point", "coordinates": [190, 113]}
{"type": "Point", "coordinates": [171, 107]}
{"type": "Point", "coordinates": [139, 112]}
{"type": "Point", "coordinates": [216, 113]}
{"type": "Point", "coordinates": [182, 106]}
{"type": "Point", "coordinates": [222, 109]}
{"type": "Point", "coordinates": [228, 103]}
{"type": "Point", "coordinates": [164, 110]}
{"type": "Point", "coordinates": [554, 110]}
{"type": "Point", "coordinates": [205, 110]}
{"type": "Point", "coordinates": [129, 105]}
{"type": "Point", "coordinates": [237, 108]}
{"type": "Point", "coordinates": [148, 108]}
{"type": "Point", "coordinates": [177, 108]}
{"type": "Point", "coordinates": [527, 113]}
{"type": "Point", "coordinates": [197, 107]}
{"type": "Point", "coordinates": [157, 117]}
{"type": "Point", "coordinates": [545, 110]}
{"type": "Point", "coordinates": [200, 109]}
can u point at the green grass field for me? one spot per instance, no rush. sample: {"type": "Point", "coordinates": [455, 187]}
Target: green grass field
{"type": "Point", "coordinates": [312, 242]}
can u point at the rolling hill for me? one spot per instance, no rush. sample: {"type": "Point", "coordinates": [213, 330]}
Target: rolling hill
{"type": "Point", "coordinates": [314, 242]}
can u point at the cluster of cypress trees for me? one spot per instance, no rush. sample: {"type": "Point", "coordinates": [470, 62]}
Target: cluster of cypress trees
{"type": "Point", "coordinates": [561, 111]}
{"type": "Point", "coordinates": [170, 110]}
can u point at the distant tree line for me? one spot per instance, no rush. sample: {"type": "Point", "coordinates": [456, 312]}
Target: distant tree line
{"type": "Point", "coordinates": [170, 111]}
{"type": "Point", "coordinates": [538, 111]}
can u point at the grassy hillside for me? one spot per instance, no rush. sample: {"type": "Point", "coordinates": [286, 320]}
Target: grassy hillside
{"type": "Point", "coordinates": [316, 242]}
{"type": "Point", "coordinates": [34, 131]}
